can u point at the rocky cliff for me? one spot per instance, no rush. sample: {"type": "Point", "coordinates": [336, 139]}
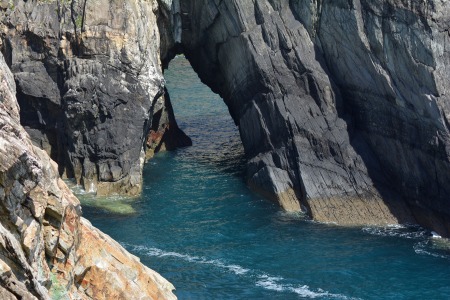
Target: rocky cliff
{"type": "Point", "coordinates": [47, 250]}
{"type": "Point", "coordinates": [342, 106]}
{"type": "Point", "coordinates": [90, 86]}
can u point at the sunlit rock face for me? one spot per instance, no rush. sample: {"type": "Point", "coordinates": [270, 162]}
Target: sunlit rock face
{"type": "Point", "coordinates": [47, 250]}
{"type": "Point", "coordinates": [343, 106]}
{"type": "Point", "coordinates": [89, 81]}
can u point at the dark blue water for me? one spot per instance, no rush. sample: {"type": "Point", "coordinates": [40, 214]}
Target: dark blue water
{"type": "Point", "coordinates": [200, 227]}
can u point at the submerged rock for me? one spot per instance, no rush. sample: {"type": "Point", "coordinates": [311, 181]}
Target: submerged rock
{"type": "Point", "coordinates": [47, 250]}
{"type": "Point", "coordinates": [342, 106]}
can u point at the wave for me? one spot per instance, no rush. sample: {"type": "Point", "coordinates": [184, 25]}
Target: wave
{"type": "Point", "coordinates": [402, 231]}
{"type": "Point", "coordinates": [263, 280]}
{"type": "Point", "coordinates": [236, 269]}
{"type": "Point", "coordinates": [276, 284]}
{"type": "Point", "coordinates": [429, 243]}
{"type": "Point", "coordinates": [430, 247]}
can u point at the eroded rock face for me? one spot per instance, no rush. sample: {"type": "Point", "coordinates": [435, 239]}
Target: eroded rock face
{"type": "Point", "coordinates": [342, 106]}
{"type": "Point", "coordinates": [47, 250]}
{"type": "Point", "coordinates": [89, 81]}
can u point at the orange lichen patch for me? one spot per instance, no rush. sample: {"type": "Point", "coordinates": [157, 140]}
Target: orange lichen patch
{"type": "Point", "coordinates": [112, 273]}
{"type": "Point", "coordinates": [155, 141]}
{"type": "Point", "coordinates": [154, 137]}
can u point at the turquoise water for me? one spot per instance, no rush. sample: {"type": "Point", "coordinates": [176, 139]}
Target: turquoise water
{"type": "Point", "coordinates": [201, 228]}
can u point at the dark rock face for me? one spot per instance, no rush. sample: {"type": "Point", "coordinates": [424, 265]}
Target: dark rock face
{"type": "Point", "coordinates": [47, 250]}
{"type": "Point", "coordinates": [164, 133]}
{"type": "Point", "coordinates": [89, 81]}
{"type": "Point", "coordinates": [342, 106]}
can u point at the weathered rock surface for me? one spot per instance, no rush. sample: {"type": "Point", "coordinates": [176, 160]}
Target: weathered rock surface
{"type": "Point", "coordinates": [89, 82]}
{"type": "Point", "coordinates": [47, 250]}
{"type": "Point", "coordinates": [343, 106]}
{"type": "Point", "coordinates": [164, 133]}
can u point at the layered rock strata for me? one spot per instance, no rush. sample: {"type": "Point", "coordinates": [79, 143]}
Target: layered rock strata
{"type": "Point", "coordinates": [342, 106]}
{"type": "Point", "coordinates": [89, 81]}
{"type": "Point", "coordinates": [47, 250]}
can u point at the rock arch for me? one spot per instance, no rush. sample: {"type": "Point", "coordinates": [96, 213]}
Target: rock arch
{"type": "Point", "coordinates": [340, 114]}
{"type": "Point", "coordinates": [342, 106]}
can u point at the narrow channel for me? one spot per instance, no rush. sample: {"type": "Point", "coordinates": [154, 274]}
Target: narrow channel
{"type": "Point", "coordinates": [198, 225]}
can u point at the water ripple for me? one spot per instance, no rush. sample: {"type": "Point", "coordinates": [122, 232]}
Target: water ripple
{"type": "Point", "coordinates": [433, 247]}
{"type": "Point", "coordinates": [401, 231]}
{"type": "Point", "coordinates": [202, 229]}
{"type": "Point", "coordinates": [261, 279]}
{"type": "Point", "coordinates": [429, 242]}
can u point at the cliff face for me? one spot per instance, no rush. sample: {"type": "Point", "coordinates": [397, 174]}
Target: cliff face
{"type": "Point", "coordinates": [342, 106]}
{"type": "Point", "coordinates": [47, 250]}
{"type": "Point", "coordinates": [89, 82]}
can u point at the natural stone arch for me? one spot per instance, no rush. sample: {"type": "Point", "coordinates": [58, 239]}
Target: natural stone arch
{"type": "Point", "coordinates": [321, 91]}
{"type": "Point", "coordinates": [317, 130]}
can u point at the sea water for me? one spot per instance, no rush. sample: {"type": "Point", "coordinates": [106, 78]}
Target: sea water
{"type": "Point", "coordinates": [198, 225]}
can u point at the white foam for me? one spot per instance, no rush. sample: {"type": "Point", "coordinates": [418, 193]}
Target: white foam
{"type": "Point", "coordinates": [76, 188]}
{"type": "Point", "coordinates": [263, 280]}
{"type": "Point", "coordinates": [435, 235]}
{"type": "Point", "coordinates": [236, 269]}
{"type": "Point", "coordinates": [429, 243]}
{"type": "Point", "coordinates": [92, 188]}
{"type": "Point", "coordinates": [398, 226]}
{"type": "Point", "coordinates": [423, 248]}
{"type": "Point", "coordinates": [407, 232]}
{"type": "Point", "coordinates": [422, 251]}
{"type": "Point", "coordinates": [304, 291]}
{"type": "Point", "coordinates": [276, 284]}
{"type": "Point", "coordinates": [270, 283]}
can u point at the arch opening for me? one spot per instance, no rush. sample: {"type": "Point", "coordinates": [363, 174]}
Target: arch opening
{"type": "Point", "coordinates": [204, 117]}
